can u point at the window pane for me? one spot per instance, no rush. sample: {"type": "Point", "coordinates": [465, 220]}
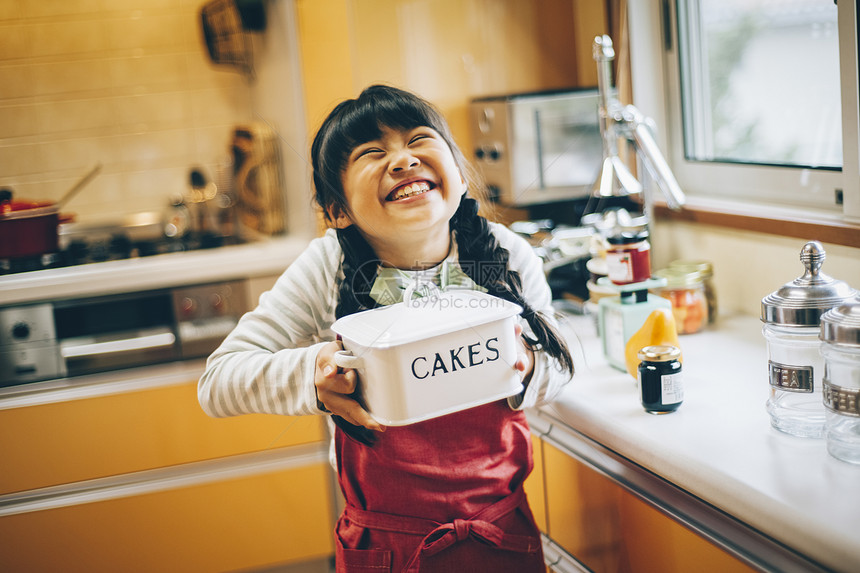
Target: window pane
{"type": "Point", "coordinates": [760, 82]}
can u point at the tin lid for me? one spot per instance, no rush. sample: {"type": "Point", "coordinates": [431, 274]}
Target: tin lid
{"type": "Point", "coordinates": [417, 319]}
{"type": "Point", "coordinates": [841, 325]}
{"type": "Point", "coordinates": [803, 301]}
{"type": "Point", "coordinates": [659, 353]}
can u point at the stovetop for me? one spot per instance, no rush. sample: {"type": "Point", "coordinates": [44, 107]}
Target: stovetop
{"type": "Point", "coordinates": [115, 246]}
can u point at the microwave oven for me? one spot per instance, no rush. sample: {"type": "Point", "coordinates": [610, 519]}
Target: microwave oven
{"type": "Point", "coordinates": [539, 147]}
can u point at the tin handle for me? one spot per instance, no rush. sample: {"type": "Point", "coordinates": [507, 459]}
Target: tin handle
{"type": "Point", "coordinates": [346, 359]}
{"type": "Point", "coordinates": [423, 289]}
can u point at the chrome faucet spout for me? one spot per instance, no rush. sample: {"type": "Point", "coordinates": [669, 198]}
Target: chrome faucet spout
{"type": "Point", "coordinates": [654, 161]}
{"type": "Point", "coordinates": [619, 122]}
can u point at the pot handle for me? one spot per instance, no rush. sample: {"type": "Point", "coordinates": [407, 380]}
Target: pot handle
{"type": "Point", "coordinates": [346, 359]}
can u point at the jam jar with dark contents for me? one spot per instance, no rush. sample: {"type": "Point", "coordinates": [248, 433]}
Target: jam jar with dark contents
{"type": "Point", "coordinates": [661, 388]}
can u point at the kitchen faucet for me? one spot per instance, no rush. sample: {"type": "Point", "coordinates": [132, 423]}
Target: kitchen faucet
{"type": "Point", "coordinates": [618, 121]}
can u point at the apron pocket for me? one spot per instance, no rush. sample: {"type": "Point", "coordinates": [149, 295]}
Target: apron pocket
{"type": "Point", "coordinates": [362, 560]}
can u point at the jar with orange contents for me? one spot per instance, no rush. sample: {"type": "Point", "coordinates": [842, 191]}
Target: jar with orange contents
{"type": "Point", "coordinates": [686, 291]}
{"type": "Point", "coordinates": [706, 269]}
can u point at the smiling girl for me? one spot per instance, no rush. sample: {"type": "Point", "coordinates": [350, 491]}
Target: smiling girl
{"type": "Point", "coordinates": [440, 495]}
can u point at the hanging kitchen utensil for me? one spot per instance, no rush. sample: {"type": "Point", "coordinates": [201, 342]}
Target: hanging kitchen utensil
{"type": "Point", "coordinates": [225, 24]}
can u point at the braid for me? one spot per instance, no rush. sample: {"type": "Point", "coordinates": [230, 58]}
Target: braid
{"type": "Point", "coordinates": [486, 263]}
{"type": "Point", "coordinates": [359, 269]}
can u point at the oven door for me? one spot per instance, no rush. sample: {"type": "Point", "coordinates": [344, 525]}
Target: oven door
{"type": "Point", "coordinates": [117, 331]}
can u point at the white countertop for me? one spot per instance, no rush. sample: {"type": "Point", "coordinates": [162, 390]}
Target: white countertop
{"type": "Point", "coordinates": [719, 445]}
{"type": "Point", "coordinates": [258, 258]}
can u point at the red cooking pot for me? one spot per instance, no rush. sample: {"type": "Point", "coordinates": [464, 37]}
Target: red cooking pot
{"type": "Point", "coordinates": [29, 228]}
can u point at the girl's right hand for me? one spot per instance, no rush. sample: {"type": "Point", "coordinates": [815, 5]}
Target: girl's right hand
{"type": "Point", "coordinates": [334, 386]}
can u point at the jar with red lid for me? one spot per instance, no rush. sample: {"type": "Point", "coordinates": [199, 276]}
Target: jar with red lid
{"type": "Point", "coordinates": [628, 258]}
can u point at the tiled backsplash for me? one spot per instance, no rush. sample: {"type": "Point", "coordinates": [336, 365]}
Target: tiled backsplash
{"type": "Point", "coordinates": [126, 83]}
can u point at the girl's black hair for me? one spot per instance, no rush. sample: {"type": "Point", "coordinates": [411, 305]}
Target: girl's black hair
{"type": "Point", "coordinates": [360, 120]}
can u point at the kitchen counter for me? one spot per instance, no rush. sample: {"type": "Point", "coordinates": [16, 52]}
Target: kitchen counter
{"type": "Point", "coordinates": [719, 446]}
{"type": "Point", "coordinates": [258, 258]}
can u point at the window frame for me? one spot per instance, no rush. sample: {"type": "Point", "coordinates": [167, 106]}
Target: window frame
{"type": "Point", "coordinates": [719, 193]}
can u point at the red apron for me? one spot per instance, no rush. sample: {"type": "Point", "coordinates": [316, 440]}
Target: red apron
{"type": "Point", "coordinates": [441, 495]}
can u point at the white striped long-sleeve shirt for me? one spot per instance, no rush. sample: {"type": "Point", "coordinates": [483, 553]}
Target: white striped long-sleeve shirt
{"type": "Point", "coordinates": [267, 364]}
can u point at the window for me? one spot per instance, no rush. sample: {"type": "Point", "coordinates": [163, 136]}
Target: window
{"type": "Point", "coordinates": [757, 82]}
{"type": "Point", "coordinates": [756, 100]}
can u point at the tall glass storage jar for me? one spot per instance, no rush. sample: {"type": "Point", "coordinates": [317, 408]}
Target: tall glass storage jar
{"type": "Point", "coordinates": [791, 317]}
{"type": "Point", "coordinates": [840, 335]}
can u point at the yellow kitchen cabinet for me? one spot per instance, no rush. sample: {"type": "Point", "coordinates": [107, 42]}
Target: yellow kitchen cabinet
{"type": "Point", "coordinates": [534, 485]}
{"type": "Point", "coordinates": [125, 472]}
{"type": "Point", "coordinates": [245, 523]}
{"type": "Point", "coordinates": [115, 433]}
{"type": "Point", "coordinates": [608, 529]}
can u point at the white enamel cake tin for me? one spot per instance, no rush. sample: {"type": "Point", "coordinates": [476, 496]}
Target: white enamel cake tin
{"type": "Point", "coordinates": [431, 356]}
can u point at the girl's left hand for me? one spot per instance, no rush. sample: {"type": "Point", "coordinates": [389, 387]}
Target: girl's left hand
{"type": "Point", "coordinates": [525, 356]}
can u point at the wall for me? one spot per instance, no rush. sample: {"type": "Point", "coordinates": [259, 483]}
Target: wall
{"type": "Point", "coordinates": [278, 99]}
{"type": "Point", "coordinates": [448, 51]}
{"type": "Point", "coordinates": [123, 82]}
{"type": "Point", "coordinates": [128, 83]}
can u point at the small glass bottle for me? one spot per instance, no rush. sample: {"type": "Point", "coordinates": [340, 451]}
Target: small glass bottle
{"type": "Point", "coordinates": [840, 335]}
{"type": "Point", "coordinates": [791, 319]}
{"type": "Point", "coordinates": [685, 289]}
{"type": "Point", "coordinates": [661, 388]}
{"type": "Point", "coordinates": [628, 257]}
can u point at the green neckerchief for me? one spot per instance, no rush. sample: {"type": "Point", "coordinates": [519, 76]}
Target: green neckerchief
{"type": "Point", "coordinates": [390, 282]}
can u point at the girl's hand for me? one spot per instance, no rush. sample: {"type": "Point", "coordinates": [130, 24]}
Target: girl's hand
{"type": "Point", "coordinates": [334, 386]}
{"type": "Point", "coordinates": [525, 356]}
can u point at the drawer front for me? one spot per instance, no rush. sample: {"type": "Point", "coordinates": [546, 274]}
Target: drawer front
{"type": "Point", "coordinates": [247, 523]}
{"type": "Point", "coordinates": [607, 528]}
{"type": "Point", "coordinates": [62, 442]}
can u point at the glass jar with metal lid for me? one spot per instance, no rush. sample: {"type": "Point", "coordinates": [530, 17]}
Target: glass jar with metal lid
{"type": "Point", "coordinates": [685, 289]}
{"type": "Point", "coordinates": [628, 257]}
{"type": "Point", "coordinates": [706, 270]}
{"type": "Point", "coordinates": [840, 335]}
{"type": "Point", "coordinates": [659, 377]}
{"type": "Point", "coordinates": [791, 317]}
